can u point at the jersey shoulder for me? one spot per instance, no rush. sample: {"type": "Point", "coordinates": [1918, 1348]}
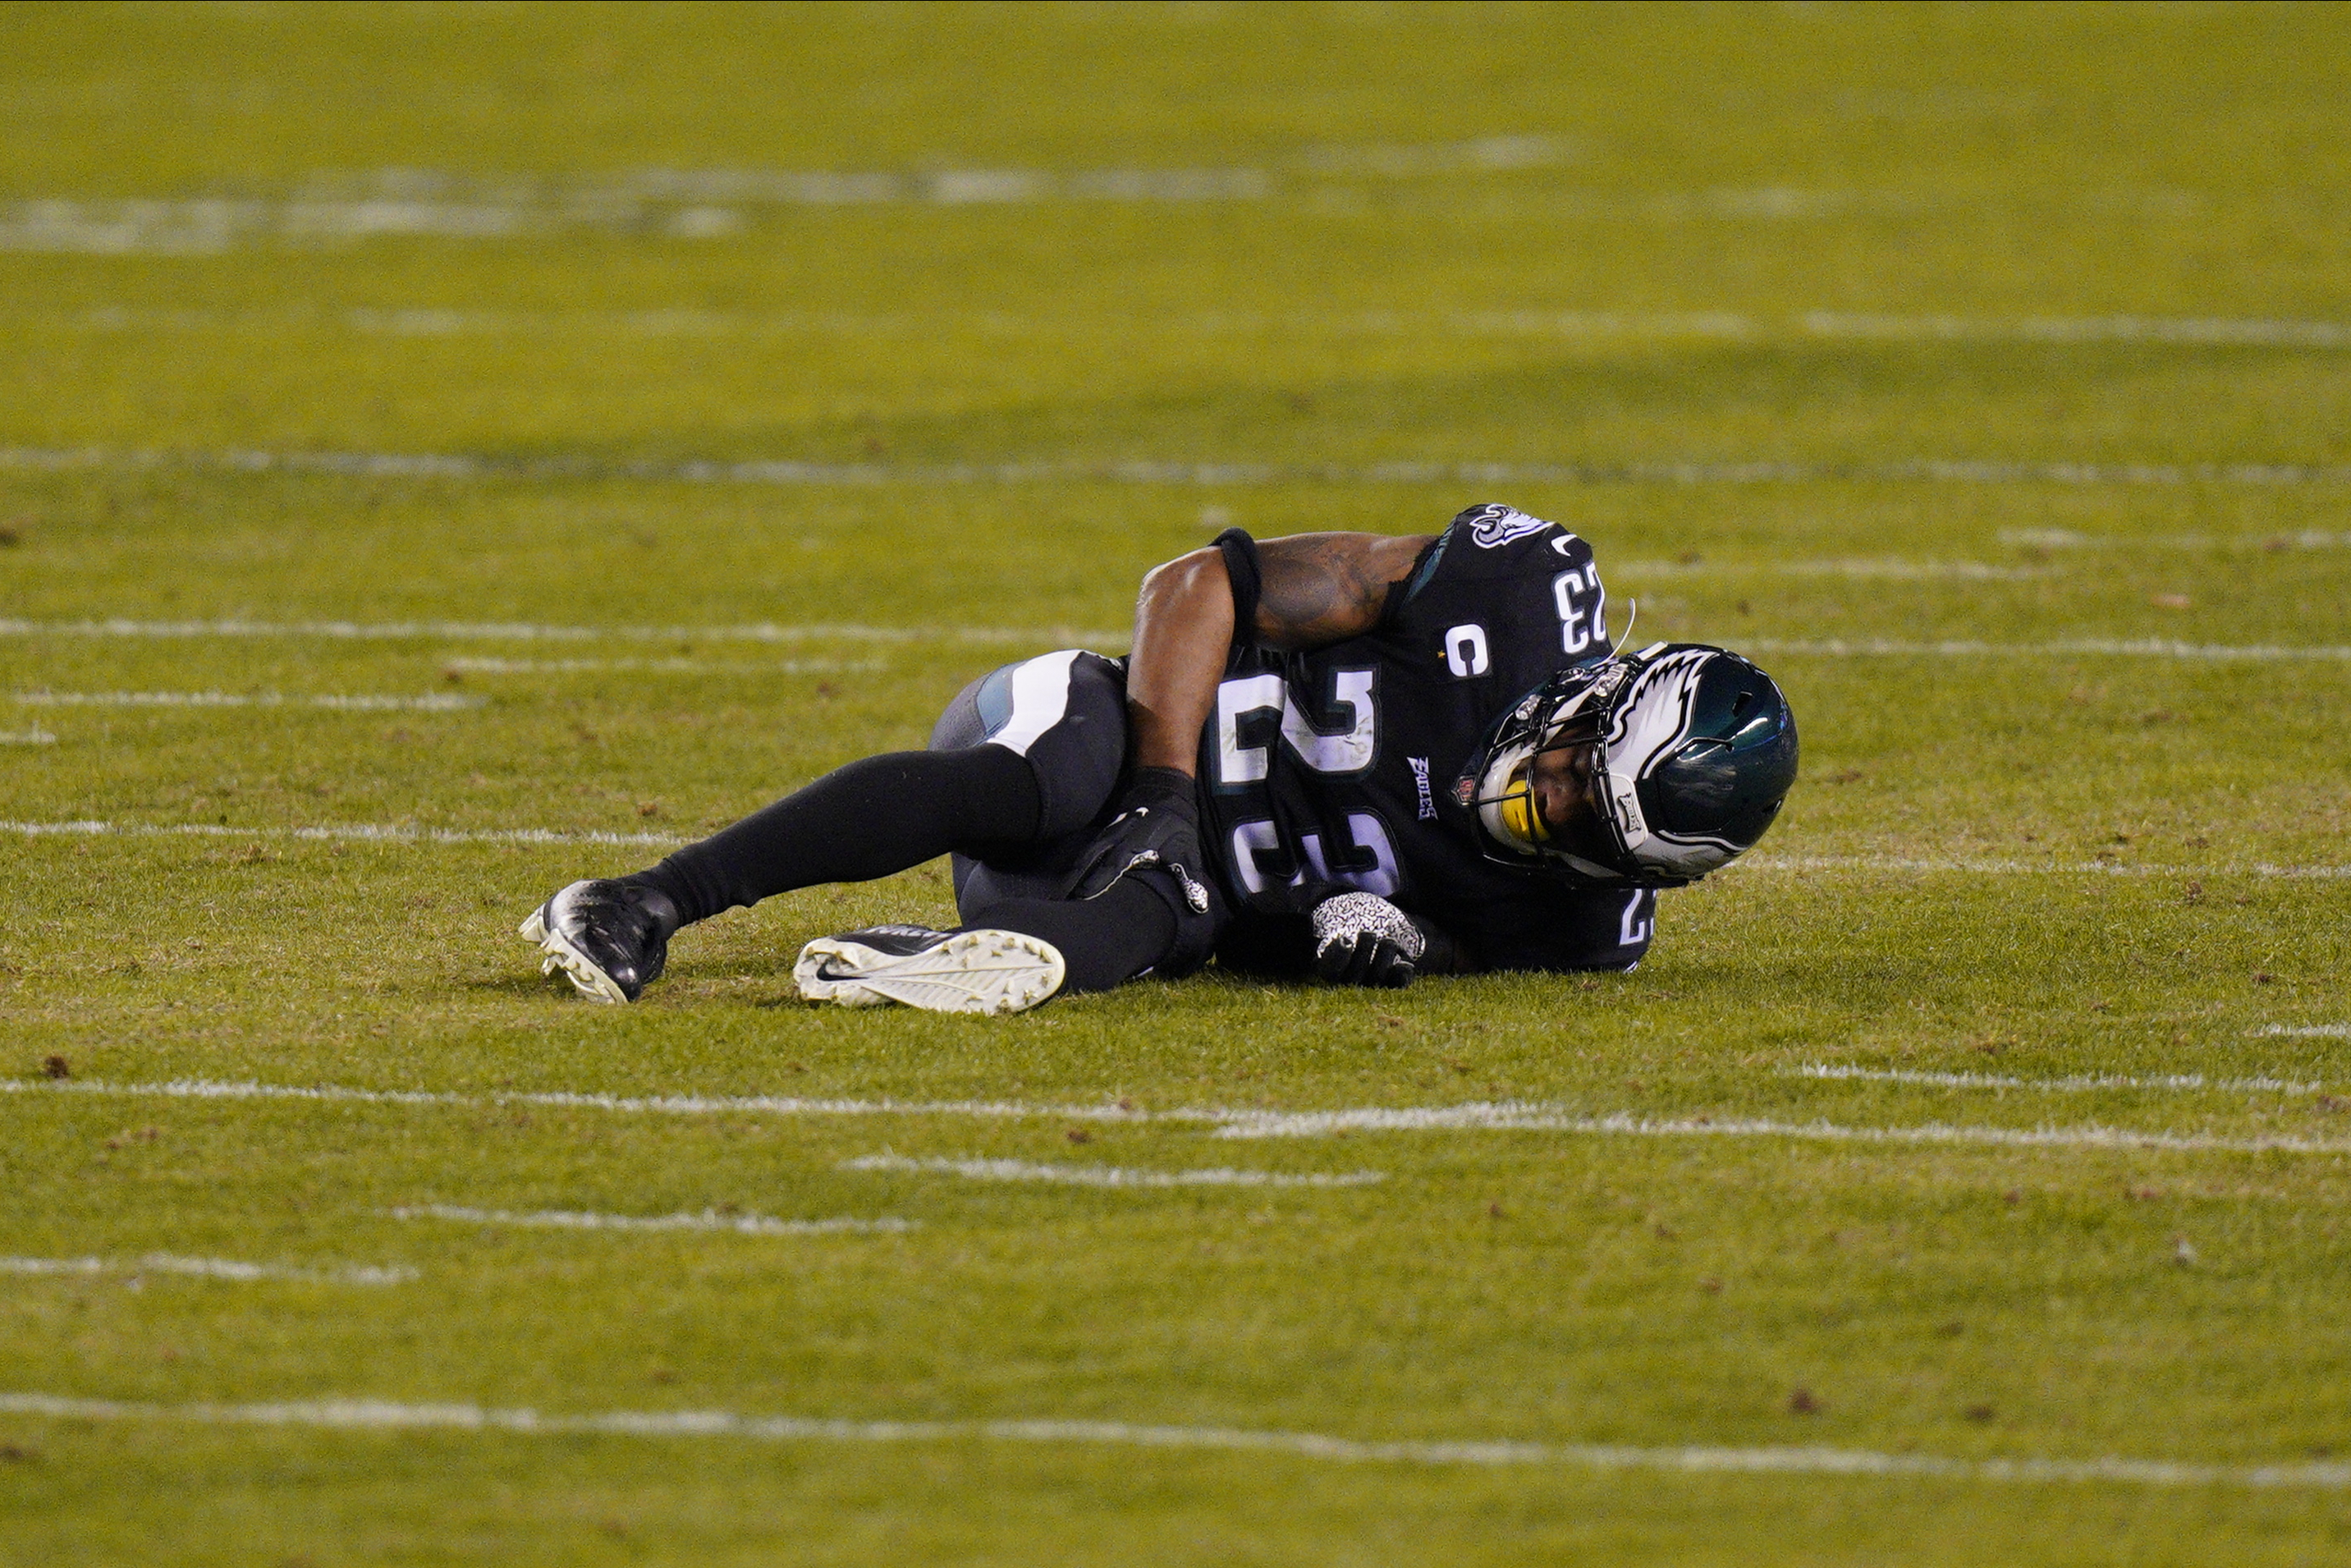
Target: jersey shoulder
{"type": "Point", "coordinates": [1502, 593]}
{"type": "Point", "coordinates": [1494, 540]}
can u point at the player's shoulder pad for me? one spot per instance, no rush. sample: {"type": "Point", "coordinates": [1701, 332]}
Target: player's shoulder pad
{"type": "Point", "coordinates": [1496, 539]}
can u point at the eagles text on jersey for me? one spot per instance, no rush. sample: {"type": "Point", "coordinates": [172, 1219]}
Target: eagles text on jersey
{"type": "Point", "coordinates": [1331, 771]}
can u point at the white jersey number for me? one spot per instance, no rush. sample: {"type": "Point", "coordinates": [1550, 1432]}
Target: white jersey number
{"type": "Point", "coordinates": [1582, 609]}
{"type": "Point", "coordinates": [1254, 840]}
{"type": "Point", "coordinates": [1344, 741]}
{"type": "Point", "coordinates": [1346, 747]}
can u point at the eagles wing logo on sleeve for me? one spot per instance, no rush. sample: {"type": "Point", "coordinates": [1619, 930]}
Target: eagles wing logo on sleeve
{"type": "Point", "coordinates": [1495, 524]}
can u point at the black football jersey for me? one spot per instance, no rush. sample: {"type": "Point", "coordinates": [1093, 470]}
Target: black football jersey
{"type": "Point", "coordinates": [1335, 771]}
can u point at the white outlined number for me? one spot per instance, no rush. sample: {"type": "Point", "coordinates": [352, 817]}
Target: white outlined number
{"type": "Point", "coordinates": [1255, 839]}
{"type": "Point", "coordinates": [1237, 700]}
{"type": "Point", "coordinates": [1583, 608]}
{"type": "Point", "coordinates": [1348, 749]}
{"type": "Point", "coordinates": [1640, 921]}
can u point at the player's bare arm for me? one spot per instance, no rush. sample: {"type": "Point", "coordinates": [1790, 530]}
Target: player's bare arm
{"type": "Point", "coordinates": [1183, 629]}
{"type": "Point", "coordinates": [1320, 589]}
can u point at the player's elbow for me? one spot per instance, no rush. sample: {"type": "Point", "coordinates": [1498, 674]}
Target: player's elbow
{"type": "Point", "coordinates": [1200, 574]}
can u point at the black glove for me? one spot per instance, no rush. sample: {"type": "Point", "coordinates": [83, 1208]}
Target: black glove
{"type": "Point", "coordinates": [1362, 939]}
{"type": "Point", "coordinates": [1158, 824]}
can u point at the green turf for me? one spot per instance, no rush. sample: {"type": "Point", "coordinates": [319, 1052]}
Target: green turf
{"type": "Point", "coordinates": [2040, 863]}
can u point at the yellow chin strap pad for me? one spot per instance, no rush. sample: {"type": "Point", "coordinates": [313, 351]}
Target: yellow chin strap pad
{"type": "Point", "coordinates": [1518, 812]}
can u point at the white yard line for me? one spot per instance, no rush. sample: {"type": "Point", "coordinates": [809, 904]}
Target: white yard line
{"type": "Point", "coordinates": [1487, 1117]}
{"type": "Point", "coordinates": [2307, 1030]}
{"type": "Point", "coordinates": [1512, 1118]}
{"type": "Point", "coordinates": [398, 833]}
{"type": "Point", "coordinates": [2185, 1083]}
{"type": "Point", "coordinates": [694, 204]}
{"type": "Point", "coordinates": [663, 666]}
{"type": "Point", "coordinates": [1210, 473]}
{"type": "Point", "coordinates": [1104, 1175]}
{"type": "Point", "coordinates": [1988, 866]}
{"type": "Point", "coordinates": [1909, 571]}
{"type": "Point", "coordinates": [1068, 636]}
{"type": "Point", "coordinates": [1706, 325]}
{"type": "Point", "coordinates": [1887, 569]}
{"type": "Point", "coordinates": [2071, 647]}
{"type": "Point", "coordinates": [708, 1219]}
{"type": "Point", "coordinates": [433, 702]}
{"type": "Point", "coordinates": [349, 833]}
{"type": "Point", "coordinates": [26, 737]}
{"type": "Point", "coordinates": [659, 1104]}
{"type": "Point", "coordinates": [2272, 542]}
{"type": "Point", "coordinates": [530, 632]}
{"type": "Point", "coordinates": [381, 1415]}
{"type": "Point", "coordinates": [207, 1267]}
{"type": "Point", "coordinates": [2200, 331]}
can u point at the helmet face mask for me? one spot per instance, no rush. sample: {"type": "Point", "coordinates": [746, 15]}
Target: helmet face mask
{"type": "Point", "coordinates": [1505, 799]}
{"type": "Point", "coordinates": [1688, 752]}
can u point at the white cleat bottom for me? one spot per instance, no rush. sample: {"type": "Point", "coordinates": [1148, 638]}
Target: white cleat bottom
{"type": "Point", "coordinates": [586, 978]}
{"type": "Point", "coordinates": [964, 972]}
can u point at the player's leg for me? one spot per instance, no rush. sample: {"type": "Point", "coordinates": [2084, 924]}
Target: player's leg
{"type": "Point", "coordinates": [870, 818]}
{"type": "Point", "coordinates": [1022, 938]}
{"type": "Point", "coordinates": [1011, 956]}
{"type": "Point", "coordinates": [1103, 941]}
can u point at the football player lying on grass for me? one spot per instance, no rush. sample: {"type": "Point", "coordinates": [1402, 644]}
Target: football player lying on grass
{"type": "Point", "coordinates": [1362, 757]}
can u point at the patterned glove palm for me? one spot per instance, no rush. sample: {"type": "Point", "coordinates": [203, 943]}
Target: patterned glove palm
{"type": "Point", "coordinates": [1362, 939]}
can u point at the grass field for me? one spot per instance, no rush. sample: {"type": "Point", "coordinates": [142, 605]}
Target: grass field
{"type": "Point", "coordinates": [445, 452]}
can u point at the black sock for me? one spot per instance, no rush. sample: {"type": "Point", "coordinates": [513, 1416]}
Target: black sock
{"type": "Point", "coordinates": [1102, 940]}
{"type": "Point", "coordinates": [868, 819]}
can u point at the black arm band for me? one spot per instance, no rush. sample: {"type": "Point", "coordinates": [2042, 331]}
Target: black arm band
{"type": "Point", "coordinates": [1239, 551]}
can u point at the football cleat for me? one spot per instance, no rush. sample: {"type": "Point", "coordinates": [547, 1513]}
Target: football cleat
{"type": "Point", "coordinates": [939, 971]}
{"type": "Point", "coordinates": [610, 938]}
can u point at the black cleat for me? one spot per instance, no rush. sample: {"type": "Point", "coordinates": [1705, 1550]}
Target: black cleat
{"type": "Point", "coordinates": [939, 971]}
{"type": "Point", "coordinates": [610, 938]}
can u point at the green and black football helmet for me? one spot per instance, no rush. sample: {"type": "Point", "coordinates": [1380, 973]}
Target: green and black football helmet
{"type": "Point", "coordinates": [1691, 751]}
